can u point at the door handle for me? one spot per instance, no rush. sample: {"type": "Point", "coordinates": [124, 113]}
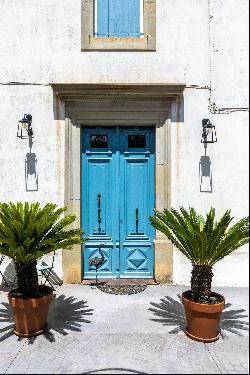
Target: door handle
{"type": "Point", "coordinates": [99, 208]}
{"type": "Point", "coordinates": [99, 216]}
{"type": "Point", "coordinates": [136, 216]}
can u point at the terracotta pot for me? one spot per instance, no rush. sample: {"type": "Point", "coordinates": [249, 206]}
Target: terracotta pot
{"type": "Point", "coordinates": [30, 315]}
{"type": "Point", "coordinates": [202, 319]}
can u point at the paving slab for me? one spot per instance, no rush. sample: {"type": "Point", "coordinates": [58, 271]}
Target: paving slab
{"type": "Point", "coordinates": [91, 332]}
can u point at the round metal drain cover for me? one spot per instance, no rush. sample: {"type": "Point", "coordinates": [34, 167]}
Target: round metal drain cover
{"type": "Point", "coordinates": [122, 289]}
{"type": "Point", "coordinates": [115, 371]}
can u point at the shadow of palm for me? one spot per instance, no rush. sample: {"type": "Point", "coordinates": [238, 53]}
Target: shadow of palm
{"type": "Point", "coordinates": [230, 321]}
{"type": "Point", "coordinates": [65, 314]}
{"type": "Point", "coordinates": [171, 313]}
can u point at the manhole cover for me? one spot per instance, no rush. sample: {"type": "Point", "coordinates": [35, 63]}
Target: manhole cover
{"type": "Point", "coordinates": [122, 289]}
{"type": "Point", "coordinates": [114, 371]}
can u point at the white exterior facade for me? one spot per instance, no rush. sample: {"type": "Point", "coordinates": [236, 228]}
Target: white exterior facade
{"type": "Point", "coordinates": [200, 43]}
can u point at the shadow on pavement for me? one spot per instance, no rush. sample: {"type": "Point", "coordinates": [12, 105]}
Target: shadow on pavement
{"type": "Point", "coordinates": [65, 314]}
{"type": "Point", "coordinates": [171, 312]}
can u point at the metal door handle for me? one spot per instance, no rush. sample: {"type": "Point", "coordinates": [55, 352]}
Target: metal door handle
{"type": "Point", "coordinates": [137, 216]}
{"type": "Point", "coordinates": [137, 220]}
{"type": "Point", "coordinates": [99, 208]}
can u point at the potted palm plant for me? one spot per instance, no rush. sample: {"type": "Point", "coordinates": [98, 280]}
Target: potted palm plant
{"type": "Point", "coordinates": [27, 232]}
{"type": "Point", "coordinates": [204, 241]}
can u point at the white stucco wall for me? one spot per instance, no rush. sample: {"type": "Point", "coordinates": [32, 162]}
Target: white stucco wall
{"type": "Point", "coordinates": [199, 43]}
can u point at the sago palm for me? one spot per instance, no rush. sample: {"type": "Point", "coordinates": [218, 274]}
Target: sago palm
{"type": "Point", "coordinates": [29, 231]}
{"type": "Point", "coordinates": [204, 241]}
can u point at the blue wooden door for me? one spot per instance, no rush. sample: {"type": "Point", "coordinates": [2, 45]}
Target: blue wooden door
{"type": "Point", "coordinates": [117, 200]}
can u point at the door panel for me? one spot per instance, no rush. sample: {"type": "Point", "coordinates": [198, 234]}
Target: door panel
{"type": "Point", "coordinates": [117, 200]}
{"type": "Point", "coordinates": [137, 202]}
{"type": "Point", "coordinates": [99, 208]}
{"type": "Point", "coordinates": [134, 197]}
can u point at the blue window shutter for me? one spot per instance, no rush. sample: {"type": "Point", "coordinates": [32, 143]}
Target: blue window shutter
{"type": "Point", "coordinates": [118, 18]}
{"type": "Point", "coordinates": [134, 18]}
{"type": "Point", "coordinates": [124, 18]}
{"type": "Point", "coordinates": [102, 18]}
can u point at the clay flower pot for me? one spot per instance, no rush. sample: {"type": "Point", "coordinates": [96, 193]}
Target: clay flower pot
{"type": "Point", "coordinates": [203, 319]}
{"type": "Point", "coordinates": [30, 315]}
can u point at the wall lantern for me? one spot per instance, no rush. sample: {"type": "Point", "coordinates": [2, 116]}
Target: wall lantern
{"type": "Point", "coordinates": [25, 125]}
{"type": "Point", "coordinates": [208, 133]}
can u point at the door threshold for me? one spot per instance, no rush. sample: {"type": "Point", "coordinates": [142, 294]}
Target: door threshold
{"type": "Point", "coordinates": [121, 282]}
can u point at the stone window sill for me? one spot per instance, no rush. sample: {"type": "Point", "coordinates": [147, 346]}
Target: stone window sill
{"type": "Point", "coordinates": [117, 44]}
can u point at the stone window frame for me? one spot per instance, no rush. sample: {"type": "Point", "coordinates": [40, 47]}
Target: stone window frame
{"type": "Point", "coordinates": [90, 42]}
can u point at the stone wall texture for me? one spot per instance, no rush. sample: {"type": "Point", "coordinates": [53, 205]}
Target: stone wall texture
{"type": "Point", "coordinates": [203, 44]}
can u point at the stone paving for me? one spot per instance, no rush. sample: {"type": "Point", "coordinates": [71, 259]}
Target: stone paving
{"type": "Point", "coordinates": [90, 332]}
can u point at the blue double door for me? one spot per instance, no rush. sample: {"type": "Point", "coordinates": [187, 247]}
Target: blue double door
{"type": "Point", "coordinates": [118, 196]}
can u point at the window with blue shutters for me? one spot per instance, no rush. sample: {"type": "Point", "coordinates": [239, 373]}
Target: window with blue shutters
{"type": "Point", "coordinates": [119, 18]}
{"type": "Point", "coordinates": [118, 25]}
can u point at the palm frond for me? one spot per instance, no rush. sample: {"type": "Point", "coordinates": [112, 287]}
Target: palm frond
{"type": "Point", "coordinates": [29, 231]}
{"type": "Point", "coordinates": [203, 240]}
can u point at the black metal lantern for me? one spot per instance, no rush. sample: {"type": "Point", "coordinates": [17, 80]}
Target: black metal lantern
{"type": "Point", "coordinates": [24, 129]}
{"type": "Point", "coordinates": [208, 133]}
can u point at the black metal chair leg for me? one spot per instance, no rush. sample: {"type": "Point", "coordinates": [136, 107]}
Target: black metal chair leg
{"type": "Point", "coordinates": [96, 276]}
{"type": "Point", "coordinates": [46, 279]}
{"type": "Point", "coordinates": [13, 283]}
{"type": "Point", "coordinates": [52, 286]}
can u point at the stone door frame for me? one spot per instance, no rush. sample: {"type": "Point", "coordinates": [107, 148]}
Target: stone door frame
{"type": "Point", "coordinates": [123, 105]}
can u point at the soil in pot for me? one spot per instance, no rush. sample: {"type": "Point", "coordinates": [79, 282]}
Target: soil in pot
{"type": "Point", "coordinates": [30, 315]}
{"type": "Point", "coordinates": [203, 319]}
